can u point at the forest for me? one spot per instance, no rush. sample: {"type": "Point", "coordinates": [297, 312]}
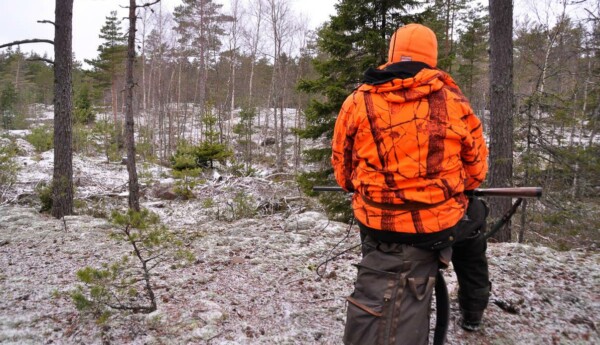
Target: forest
{"type": "Point", "coordinates": [161, 191]}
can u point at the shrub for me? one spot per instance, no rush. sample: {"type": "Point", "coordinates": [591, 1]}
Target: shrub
{"type": "Point", "coordinates": [42, 138]}
{"type": "Point", "coordinates": [44, 192]}
{"type": "Point", "coordinates": [200, 156]}
{"type": "Point", "coordinates": [336, 205]}
{"type": "Point", "coordinates": [81, 138]}
{"type": "Point", "coordinates": [83, 112]}
{"type": "Point", "coordinates": [187, 180]}
{"type": "Point", "coordinates": [243, 206]}
{"type": "Point", "coordinates": [108, 140]}
{"type": "Point", "coordinates": [8, 167]}
{"type": "Point", "coordinates": [244, 130]}
{"type": "Point", "coordinates": [144, 146]}
{"type": "Point", "coordinates": [126, 284]}
{"type": "Point", "coordinates": [241, 170]}
{"type": "Point", "coordinates": [9, 117]}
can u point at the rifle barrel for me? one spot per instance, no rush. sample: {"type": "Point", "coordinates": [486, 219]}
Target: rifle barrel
{"type": "Point", "coordinates": [516, 192]}
{"type": "Point", "coordinates": [327, 189]}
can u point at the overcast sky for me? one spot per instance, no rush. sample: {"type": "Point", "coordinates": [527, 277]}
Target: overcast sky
{"type": "Point", "coordinates": [18, 21]}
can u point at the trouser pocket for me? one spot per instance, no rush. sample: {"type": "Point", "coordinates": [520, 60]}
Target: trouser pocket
{"type": "Point", "coordinates": [369, 306]}
{"type": "Point", "coordinates": [391, 301]}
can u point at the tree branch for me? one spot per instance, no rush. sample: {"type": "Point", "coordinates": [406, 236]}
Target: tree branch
{"type": "Point", "coordinates": [594, 17]}
{"type": "Point", "coordinates": [46, 22]}
{"type": "Point", "coordinates": [41, 59]}
{"type": "Point", "coordinates": [35, 40]}
{"type": "Point", "coordinates": [148, 4]}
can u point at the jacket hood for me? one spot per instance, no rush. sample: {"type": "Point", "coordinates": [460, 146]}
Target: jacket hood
{"type": "Point", "coordinates": [425, 82]}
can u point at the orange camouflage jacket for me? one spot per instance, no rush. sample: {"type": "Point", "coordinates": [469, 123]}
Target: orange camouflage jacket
{"type": "Point", "coordinates": [413, 142]}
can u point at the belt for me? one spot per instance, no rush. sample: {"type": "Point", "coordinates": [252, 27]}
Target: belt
{"type": "Point", "coordinates": [406, 206]}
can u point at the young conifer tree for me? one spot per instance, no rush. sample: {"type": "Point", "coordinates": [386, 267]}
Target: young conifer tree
{"type": "Point", "coordinates": [110, 64]}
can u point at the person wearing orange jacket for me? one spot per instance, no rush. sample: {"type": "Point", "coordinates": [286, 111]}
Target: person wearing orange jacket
{"type": "Point", "coordinates": [408, 145]}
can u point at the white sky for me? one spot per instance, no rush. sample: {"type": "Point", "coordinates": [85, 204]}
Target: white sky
{"type": "Point", "coordinates": [18, 21]}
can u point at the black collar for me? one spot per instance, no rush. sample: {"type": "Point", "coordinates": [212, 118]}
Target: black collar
{"type": "Point", "coordinates": [399, 70]}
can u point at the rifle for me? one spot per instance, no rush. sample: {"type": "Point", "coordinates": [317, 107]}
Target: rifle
{"type": "Point", "coordinates": [514, 192]}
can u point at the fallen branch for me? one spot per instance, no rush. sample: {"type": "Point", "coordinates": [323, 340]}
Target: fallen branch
{"type": "Point", "coordinates": [544, 237]}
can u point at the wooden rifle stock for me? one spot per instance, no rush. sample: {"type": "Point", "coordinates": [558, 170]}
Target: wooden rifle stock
{"type": "Point", "coordinates": [516, 192]}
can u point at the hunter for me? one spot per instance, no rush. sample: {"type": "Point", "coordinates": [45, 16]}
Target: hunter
{"type": "Point", "coordinates": [407, 144]}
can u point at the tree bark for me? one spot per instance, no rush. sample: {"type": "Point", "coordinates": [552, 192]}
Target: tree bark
{"type": "Point", "coordinates": [501, 107]}
{"type": "Point", "coordinates": [134, 188]}
{"type": "Point", "coordinates": [62, 180]}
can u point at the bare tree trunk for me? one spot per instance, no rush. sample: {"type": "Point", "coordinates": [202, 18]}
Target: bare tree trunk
{"type": "Point", "coordinates": [62, 181]}
{"type": "Point", "coordinates": [143, 56]}
{"type": "Point", "coordinates": [254, 50]}
{"type": "Point", "coordinates": [203, 72]}
{"type": "Point", "coordinates": [501, 106]}
{"type": "Point", "coordinates": [171, 143]}
{"type": "Point", "coordinates": [114, 98]}
{"type": "Point", "coordinates": [134, 188]}
{"type": "Point", "coordinates": [235, 12]}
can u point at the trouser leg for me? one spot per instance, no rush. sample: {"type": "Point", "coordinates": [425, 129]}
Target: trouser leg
{"type": "Point", "coordinates": [392, 296]}
{"type": "Point", "coordinates": [471, 267]}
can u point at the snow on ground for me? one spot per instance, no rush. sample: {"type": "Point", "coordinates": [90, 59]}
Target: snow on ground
{"type": "Point", "coordinates": [254, 279]}
{"type": "Point", "coordinates": [254, 282]}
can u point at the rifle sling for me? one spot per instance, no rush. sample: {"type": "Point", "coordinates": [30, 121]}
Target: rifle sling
{"type": "Point", "coordinates": [442, 309]}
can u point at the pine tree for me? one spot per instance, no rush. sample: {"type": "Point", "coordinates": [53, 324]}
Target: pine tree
{"type": "Point", "coordinates": [353, 40]}
{"type": "Point", "coordinates": [200, 28]}
{"type": "Point", "coordinates": [471, 58]}
{"type": "Point", "coordinates": [444, 19]}
{"type": "Point", "coordinates": [8, 101]}
{"type": "Point", "coordinates": [62, 178]}
{"type": "Point", "coordinates": [110, 63]}
{"type": "Point", "coordinates": [501, 107]}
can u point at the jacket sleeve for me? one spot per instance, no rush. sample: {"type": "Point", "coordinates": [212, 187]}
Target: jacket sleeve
{"type": "Point", "coordinates": [474, 152]}
{"type": "Point", "coordinates": [343, 143]}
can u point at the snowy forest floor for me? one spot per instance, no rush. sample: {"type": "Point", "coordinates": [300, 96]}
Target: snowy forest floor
{"type": "Point", "coordinates": [253, 280]}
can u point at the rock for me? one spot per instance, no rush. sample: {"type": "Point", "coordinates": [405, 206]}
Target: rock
{"type": "Point", "coordinates": [158, 204]}
{"type": "Point", "coordinates": [268, 141]}
{"type": "Point", "coordinates": [209, 312]}
{"type": "Point", "coordinates": [212, 316]}
{"type": "Point", "coordinates": [303, 221]}
{"type": "Point", "coordinates": [205, 333]}
{"type": "Point", "coordinates": [236, 260]}
{"type": "Point", "coordinates": [164, 192]}
{"type": "Point", "coordinates": [155, 315]}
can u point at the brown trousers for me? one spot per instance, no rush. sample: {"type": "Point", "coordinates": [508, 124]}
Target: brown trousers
{"type": "Point", "coordinates": [392, 295]}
